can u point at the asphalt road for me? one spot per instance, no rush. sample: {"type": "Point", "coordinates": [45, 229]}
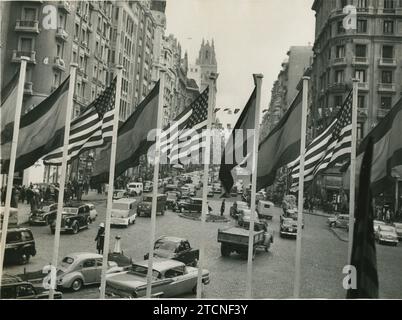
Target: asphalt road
{"type": "Point", "coordinates": [323, 257]}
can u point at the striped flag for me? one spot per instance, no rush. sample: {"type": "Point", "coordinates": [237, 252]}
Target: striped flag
{"type": "Point", "coordinates": [331, 147]}
{"type": "Point", "coordinates": [364, 257]}
{"type": "Point", "coordinates": [7, 110]}
{"type": "Point", "coordinates": [90, 130]}
{"type": "Point", "coordinates": [186, 136]}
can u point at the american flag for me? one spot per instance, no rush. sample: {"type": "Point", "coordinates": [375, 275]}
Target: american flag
{"type": "Point", "coordinates": [185, 135]}
{"type": "Point", "coordinates": [328, 149]}
{"type": "Point", "coordinates": [90, 130]}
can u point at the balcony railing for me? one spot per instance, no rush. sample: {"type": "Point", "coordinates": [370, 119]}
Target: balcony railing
{"type": "Point", "coordinates": [381, 113]}
{"type": "Point", "coordinates": [27, 26]}
{"type": "Point", "coordinates": [388, 62]}
{"type": "Point", "coordinates": [18, 54]}
{"type": "Point", "coordinates": [61, 34]}
{"type": "Point", "coordinates": [386, 87]}
{"type": "Point", "coordinates": [339, 61]}
{"type": "Point", "coordinates": [65, 6]}
{"type": "Point", "coordinates": [360, 61]}
{"type": "Point", "coordinates": [28, 88]}
{"type": "Point", "coordinates": [363, 86]}
{"type": "Point", "coordinates": [59, 64]}
{"type": "Point", "coordinates": [338, 87]}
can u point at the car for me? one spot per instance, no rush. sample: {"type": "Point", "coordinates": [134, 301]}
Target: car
{"type": "Point", "coordinates": [135, 189]}
{"type": "Point", "coordinates": [148, 186]}
{"type": "Point", "coordinates": [118, 194]}
{"type": "Point", "coordinates": [13, 217]}
{"type": "Point", "coordinates": [145, 206]}
{"type": "Point", "coordinates": [244, 219]}
{"type": "Point", "coordinates": [192, 189]}
{"type": "Point", "coordinates": [386, 234]}
{"type": "Point", "coordinates": [237, 207]}
{"type": "Point", "coordinates": [265, 210]}
{"type": "Point", "coordinates": [210, 193]}
{"type": "Point", "coordinates": [377, 223]}
{"type": "Point", "coordinates": [177, 249]}
{"type": "Point", "coordinates": [339, 221]}
{"type": "Point", "coordinates": [217, 188]}
{"type": "Point", "coordinates": [20, 245]}
{"type": "Point", "coordinates": [93, 214]}
{"type": "Point", "coordinates": [185, 191]}
{"type": "Point", "coordinates": [398, 229]}
{"type": "Point", "coordinates": [124, 212]}
{"type": "Point", "coordinates": [292, 214]}
{"type": "Point", "coordinates": [170, 278]}
{"type": "Point", "coordinates": [43, 215]}
{"type": "Point", "coordinates": [80, 269]}
{"type": "Point", "coordinates": [288, 228]}
{"type": "Point", "coordinates": [75, 217]}
{"type": "Point", "coordinates": [13, 287]}
{"type": "Point", "coordinates": [190, 205]}
{"type": "Point", "coordinates": [172, 198]}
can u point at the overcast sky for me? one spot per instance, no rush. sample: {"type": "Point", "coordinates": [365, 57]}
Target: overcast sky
{"type": "Point", "coordinates": [251, 36]}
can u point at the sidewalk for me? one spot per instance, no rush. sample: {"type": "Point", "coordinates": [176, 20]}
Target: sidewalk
{"type": "Point", "coordinates": [94, 196]}
{"type": "Point", "coordinates": [318, 213]}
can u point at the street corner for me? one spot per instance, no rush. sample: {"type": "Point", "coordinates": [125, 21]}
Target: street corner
{"type": "Point", "coordinates": [341, 234]}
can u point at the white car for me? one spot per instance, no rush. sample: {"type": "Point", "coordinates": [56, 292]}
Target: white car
{"type": "Point", "coordinates": [124, 212]}
{"type": "Point", "coordinates": [377, 223]}
{"type": "Point", "coordinates": [398, 228]}
{"type": "Point", "coordinates": [386, 234]}
{"type": "Point", "coordinates": [135, 188]}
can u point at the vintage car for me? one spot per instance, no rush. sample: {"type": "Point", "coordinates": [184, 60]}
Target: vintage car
{"type": "Point", "coordinates": [192, 190]}
{"type": "Point", "coordinates": [190, 205]}
{"type": "Point", "coordinates": [244, 218]}
{"type": "Point", "coordinates": [177, 249]}
{"type": "Point", "coordinates": [135, 189]}
{"type": "Point", "coordinates": [265, 210]}
{"type": "Point", "coordinates": [170, 278]}
{"type": "Point", "coordinates": [171, 199]}
{"type": "Point", "coordinates": [292, 214]}
{"type": "Point", "coordinates": [124, 212]}
{"type": "Point", "coordinates": [44, 215]}
{"type": "Point", "coordinates": [339, 221]}
{"type": "Point", "coordinates": [20, 246]}
{"type": "Point", "coordinates": [144, 208]}
{"type": "Point", "coordinates": [217, 188]}
{"type": "Point", "coordinates": [79, 269]}
{"type": "Point", "coordinates": [148, 186]}
{"type": "Point", "coordinates": [75, 217]}
{"type": "Point", "coordinates": [237, 207]}
{"type": "Point", "coordinates": [288, 228]}
{"type": "Point", "coordinates": [210, 193]}
{"type": "Point", "coordinates": [398, 229]}
{"type": "Point", "coordinates": [118, 194]}
{"type": "Point", "coordinates": [386, 234]}
{"type": "Point", "coordinates": [13, 287]}
{"type": "Point", "coordinates": [377, 223]}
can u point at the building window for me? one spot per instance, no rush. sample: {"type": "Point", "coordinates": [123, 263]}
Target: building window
{"type": "Point", "coordinates": [340, 51]}
{"type": "Point", "coordinates": [59, 50]}
{"type": "Point", "coordinates": [361, 102]}
{"type": "Point", "coordinates": [386, 76]}
{"type": "Point", "coordinates": [339, 76]}
{"type": "Point", "coordinates": [361, 26]}
{"type": "Point", "coordinates": [361, 75]}
{"type": "Point", "coordinates": [26, 45]}
{"type": "Point", "coordinates": [389, 4]}
{"type": "Point", "coordinates": [388, 52]}
{"type": "Point", "coordinates": [388, 27]}
{"type": "Point", "coordinates": [362, 4]}
{"type": "Point", "coordinates": [338, 100]}
{"type": "Point", "coordinates": [74, 56]}
{"type": "Point", "coordinates": [361, 50]}
{"type": "Point", "coordinates": [29, 14]}
{"type": "Point", "coordinates": [360, 131]}
{"type": "Point", "coordinates": [386, 102]}
{"type": "Point", "coordinates": [77, 31]}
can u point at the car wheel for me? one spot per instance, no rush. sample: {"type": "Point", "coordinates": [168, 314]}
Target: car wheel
{"type": "Point", "coordinates": [75, 228]}
{"type": "Point", "coordinates": [76, 285]}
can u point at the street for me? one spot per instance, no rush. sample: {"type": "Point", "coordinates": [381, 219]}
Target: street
{"type": "Point", "coordinates": [323, 257]}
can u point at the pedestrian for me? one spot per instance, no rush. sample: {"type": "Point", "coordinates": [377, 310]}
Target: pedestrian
{"type": "Point", "coordinates": [22, 194]}
{"type": "Point", "coordinates": [223, 208]}
{"type": "Point", "coordinates": [100, 238]}
{"type": "Point", "coordinates": [388, 215]}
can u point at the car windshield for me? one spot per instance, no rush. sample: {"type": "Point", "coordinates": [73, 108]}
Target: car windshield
{"type": "Point", "coordinates": [166, 245]}
{"type": "Point", "coordinates": [147, 199]}
{"type": "Point", "coordinates": [387, 229]}
{"type": "Point", "coordinates": [142, 271]}
{"type": "Point", "coordinates": [70, 210]}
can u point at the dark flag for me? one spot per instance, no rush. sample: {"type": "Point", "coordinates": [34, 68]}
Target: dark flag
{"type": "Point", "coordinates": [229, 162]}
{"type": "Point", "coordinates": [364, 251]}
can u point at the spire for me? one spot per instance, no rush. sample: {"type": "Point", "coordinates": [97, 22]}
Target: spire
{"type": "Point", "coordinates": [213, 43]}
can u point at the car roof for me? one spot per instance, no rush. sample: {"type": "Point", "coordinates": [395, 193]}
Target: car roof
{"type": "Point", "coordinates": [84, 255]}
{"type": "Point", "coordinates": [74, 204]}
{"type": "Point", "coordinates": [172, 239]}
{"type": "Point", "coordinates": [161, 265]}
{"type": "Point", "coordinates": [8, 279]}
{"type": "Point", "coordinates": [198, 199]}
{"type": "Point", "coordinates": [125, 200]}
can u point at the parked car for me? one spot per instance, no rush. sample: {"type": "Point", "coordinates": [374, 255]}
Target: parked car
{"type": "Point", "coordinates": [288, 228]}
{"type": "Point", "coordinates": [171, 278]}
{"type": "Point", "coordinates": [20, 245]}
{"type": "Point", "coordinates": [135, 189]}
{"type": "Point", "coordinates": [124, 212]}
{"type": "Point", "coordinates": [190, 205]}
{"type": "Point", "coordinates": [172, 198]}
{"type": "Point", "coordinates": [292, 214]}
{"type": "Point", "coordinates": [185, 191]}
{"type": "Point", "coordinates": [265, 210]}
{"type": "Point", "coordinates": [177, 249]}
{"type": "Point", "coordinates": [377, 223]}
{"type": "Point", "coordinates": [118, 194]}
{"type": "Point", "coordinates": [386, 234]}
{"type": "Point", "coordinates": [339, 221]}
{"type": "Point", "coordinates": [210, 191]}
{"type": "Point", "coordinates": [13, 287]}
{"type": "Point", "coordinates": [43, 215]}
{"type": "Point", "coordinates": [145, 206]}
{"type": "Point", "coordinates": [192, 189]}
{"type": "Point", "coordinates": [75, 217]}
{"type": "Point", "coordinates": [80, 269]}
{"type": "Point", "coordinates": [398, 229]}
{"type": "Point", "coordinates": [148, 186]}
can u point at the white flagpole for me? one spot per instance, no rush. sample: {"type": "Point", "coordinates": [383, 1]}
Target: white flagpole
{"type": "Point", "coordinates": [156, 179]}
{"type": "Point", "coordinates": [111, 180]}
{"type": "Point", "coordinates": [258, 83]}
{"type": "Point", "coordinates": [13, 156]}
{"type": "Point", "coordinates": [211, 96]}
{"type": "Point", "coordinates": [353, 168]}
{"type": "Point", "coordinates": [69, 110]}
{"type": "Point", "coordinates": [296, 288]}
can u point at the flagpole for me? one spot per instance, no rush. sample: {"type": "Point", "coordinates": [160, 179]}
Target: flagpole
{"type": "Point", "coordinates": [69, 111]}
{"type": "Point", "coordinates": [296, 292]}
{"type": "Point", "coordinates": [352, 195]}
{"type": "Point", "coordinates": [13, 156]}
{"type": "Point", "coordinates": [211, 96]}
{"type": "Point", "coordinates": [155, 182]}
{"type": "Point", "coordinates": [258, 83]}
{"type": "Point", "coordinates": [111, 181]}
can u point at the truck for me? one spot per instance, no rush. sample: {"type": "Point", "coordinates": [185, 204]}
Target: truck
{"type": "Point", "coordinates": [235, 239]}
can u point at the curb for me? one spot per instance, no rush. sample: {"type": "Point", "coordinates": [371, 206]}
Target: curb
{"type": "Point", "coordinates": [338, 236]}
{"type": "Point", "coordinates": [325, 215]}
{"type": "Point", "coordinates": [199, 219]}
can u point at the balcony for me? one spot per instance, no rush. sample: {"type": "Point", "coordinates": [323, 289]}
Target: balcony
{"type": "Point", "coordinates": [28, 88]}
{"type": "Point", "coordinates": [387, 87]}
{"type": "Point", "coordinates": [360, 61]}
{"type": "Point", "coordinates": [27, 26]}
{"type": "Point", "coordinates": [65, 6]}
{"type": "Point", "coordinates": [339, 61]}
{"type": "Point", "coordinates": [382, 113]}
{"type": "Point", "coordinates": [340, 87]}
{"type": "Point", "coordinates": [388, 62]}
{"type": "Point", "coordinates": [59, 64]}
{"type": "Point", "coordinates": [363, 86]}
{"type": "Point", "coordinates": [61, 34]}
{"type": "Point", "coordinates": [18, 54]}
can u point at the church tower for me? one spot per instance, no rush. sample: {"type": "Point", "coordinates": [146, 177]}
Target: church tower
{"type": "Point", "coordinates": [206, 62]}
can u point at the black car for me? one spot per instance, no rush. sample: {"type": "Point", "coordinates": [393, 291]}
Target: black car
{"type": "Point", "coordinates": [44, 215]}
{"type": "Point", "coordinates": [20, 246]}
{"type": "Point", "coordinates": [190, 205]}
{"type": "Point", "coordinates": [13, 287]}
{"type": "Point", "coordinates": [75, 217]}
